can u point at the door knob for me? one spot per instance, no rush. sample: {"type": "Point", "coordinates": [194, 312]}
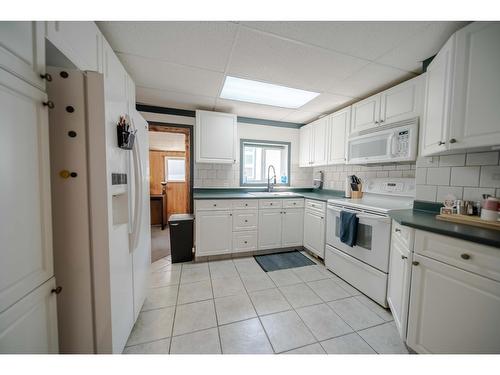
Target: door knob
{"type": "Point", "coordinates": [465, 256]}
{"type": "Point", "coordinates": [453, 140]}
{"type": "Point", "coordinates": [415, 263]}
{"type": "Point", "coordinates": [56, 290]}
{"type": "Point", "coordinates": [46, 76]}
{"type": "Point", "coordinates": [49, 103]}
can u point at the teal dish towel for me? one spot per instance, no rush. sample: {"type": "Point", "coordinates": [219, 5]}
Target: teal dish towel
{"type": "Point", "coordinates": [348, 228]}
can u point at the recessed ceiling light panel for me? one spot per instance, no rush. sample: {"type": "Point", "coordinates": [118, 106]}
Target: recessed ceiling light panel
{"type": "Point", "coordinates": [246, 90]}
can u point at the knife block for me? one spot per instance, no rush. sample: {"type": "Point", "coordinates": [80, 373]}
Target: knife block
{"type": "Point", "coordinates": [357, 194]}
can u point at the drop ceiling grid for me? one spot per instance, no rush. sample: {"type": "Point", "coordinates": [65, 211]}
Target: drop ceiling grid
{"type": "Point", "coordinates": [341, 60]}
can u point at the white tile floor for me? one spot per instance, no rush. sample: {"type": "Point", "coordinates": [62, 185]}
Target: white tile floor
{"type": "Point", "coordinates": [234, 307]}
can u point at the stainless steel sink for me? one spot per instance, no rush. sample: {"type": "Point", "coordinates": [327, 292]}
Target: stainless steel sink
{"type": "Point", "coordinates": [274, 194]}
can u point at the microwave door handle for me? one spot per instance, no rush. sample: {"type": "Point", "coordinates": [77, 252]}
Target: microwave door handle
{"type": "Point", "coordinates": [391, 144]}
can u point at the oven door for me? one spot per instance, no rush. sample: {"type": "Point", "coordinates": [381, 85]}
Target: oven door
{"type": "Point", "coordinates": [373, 237]}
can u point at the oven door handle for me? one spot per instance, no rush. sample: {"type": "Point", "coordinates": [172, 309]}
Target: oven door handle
{"type": "Point", "coordinates": [363, 215]}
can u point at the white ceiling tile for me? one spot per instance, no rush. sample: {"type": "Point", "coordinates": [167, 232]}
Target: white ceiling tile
{"type": "Point", "coordinates": [179, 78]}
{"type": "Point", "coordinates": [410, 54]}
{"type": "Point", "coordinates": [372, 78]}
{"type": "Point", "coordinates": [326, 102]}
{"type": "Point", "coordinates": [259, 56]}
{"type": "Point", "coordinates": [171, 99]}
{"type": "Point", "coordinates": [202, 44]}
{"type": "Point", "coordinates": [301, 117]}
{"type": "Point", "coordinates": [244, 109]}
{"type": "Point", "coordinates": [363, 39]}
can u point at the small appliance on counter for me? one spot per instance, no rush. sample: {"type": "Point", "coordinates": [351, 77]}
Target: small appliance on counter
{"type": "Point", "coordinates": [318, 180]}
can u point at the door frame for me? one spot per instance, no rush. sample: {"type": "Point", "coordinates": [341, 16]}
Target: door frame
{"type": "Point", "coordinates": [179, 128]}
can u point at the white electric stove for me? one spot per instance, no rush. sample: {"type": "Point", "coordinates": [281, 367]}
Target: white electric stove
{"type": "Point", "coordinates": [366, 265]}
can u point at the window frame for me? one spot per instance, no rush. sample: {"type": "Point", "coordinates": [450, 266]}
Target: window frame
{"type": "Point", "coordinates": [243, 142]}
{"type": "Point", "coordinates": [165, 166]}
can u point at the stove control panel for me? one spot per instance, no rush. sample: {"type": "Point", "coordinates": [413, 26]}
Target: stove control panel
{"type": "Point", "coordinates": [391, 186]}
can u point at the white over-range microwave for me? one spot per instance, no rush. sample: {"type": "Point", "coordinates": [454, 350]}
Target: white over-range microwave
{"type": "Point", "coordinates": [393, 143]}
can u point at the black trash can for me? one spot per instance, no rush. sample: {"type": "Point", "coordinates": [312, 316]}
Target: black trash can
{"type": "Point", "coordinates": [181, 237]}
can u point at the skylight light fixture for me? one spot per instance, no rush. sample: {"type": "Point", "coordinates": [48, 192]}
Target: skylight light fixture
{"type": "Point", "coordinates": [246, 90]}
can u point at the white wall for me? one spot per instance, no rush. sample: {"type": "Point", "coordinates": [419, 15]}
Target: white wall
{"type": "Point", "coordinates": [228, 175]}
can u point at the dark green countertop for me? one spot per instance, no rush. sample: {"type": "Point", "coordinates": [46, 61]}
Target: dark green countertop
{"type": "Point", "coordinates": [320, 195]}
{"type": "Point", "coordinates": [427, 221]}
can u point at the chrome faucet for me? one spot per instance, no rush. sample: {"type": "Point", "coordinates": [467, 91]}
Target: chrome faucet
{"type": "Point", "coordinates": [269, 186]}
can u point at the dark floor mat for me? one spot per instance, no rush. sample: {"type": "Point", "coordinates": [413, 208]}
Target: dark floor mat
{"type": "Point", "coordinates": [281, 261]}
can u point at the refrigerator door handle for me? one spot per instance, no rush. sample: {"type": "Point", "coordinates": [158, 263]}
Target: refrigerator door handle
{"type": "Point", "coordinates": [137, 216]}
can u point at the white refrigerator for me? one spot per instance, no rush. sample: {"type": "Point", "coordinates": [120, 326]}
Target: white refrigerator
{"type": "Point", "coordinates": [100, 202]}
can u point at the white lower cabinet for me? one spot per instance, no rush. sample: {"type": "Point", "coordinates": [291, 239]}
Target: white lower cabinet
{"type": "Point", "coordinates": [30, 325]}
{"type": "Point", "coordinates": [270, 228]}
{"type": "Point", "coordinates": [214, 232]}
{"type": "Point", "coordinates": [398, 290]}
{"type": "Point", "coordinates": [452, 310]}
{"type": "Point", "coordinates": [292, 229]}
{"type": "Point", "coordinates": [314, 232]}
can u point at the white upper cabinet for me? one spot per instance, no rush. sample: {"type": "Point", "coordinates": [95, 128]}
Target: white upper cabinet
{"type": "Point", "coordinates": [215, 137]}
{"type": "Point", "coordinates": [398, 103]}
{"type": "Point", "coordinates": [365, 114]}
{"type": "Point", "coordinates": [437, 100]}
{"type": "Point", "coordinates": [79, 41]}
{"type": "Point", "coordinates": [463, 92]}
{"type": "Point", "coordinates": [338, 127]}
{"type": "Point", "coordinates": [305, 148]}
{"type": "Point", "coordinates": [26, 229]}
{"type": "Point", "coordinates": [402, 102]}
{"type": "Point", "coordinates": [115, 77]}
{"type": "Point", "coordinates": [476, 90]}
{"type": "Point", "coordinates": [320, 140]}
{"type": "Point", "coordinates": [22, 50]}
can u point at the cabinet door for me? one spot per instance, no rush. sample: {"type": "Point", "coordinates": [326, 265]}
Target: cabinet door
{"type": "Point", "coordinates": [452, 311]}
{"type": "Point", "coordinates": [402, 102]}
{"type": "Point", "coordinates": [314, 232]}
{"type": "Point", "coordinates": [398, 291]}
{"type": "Point", "coordinates": [30, 326]}
{"type": "Point", "coordinates": [22, 50]}
{"type": "Point", "coordinates": [215, 137]}
{"type": "Point", "coordinates": [437, 100]}
{"type": "Point", "coordinates": [79, 41]}
{"type": "Point", "coordinates": [319, 141]}
{"type": "Point", "coordinates": [305, 146]}
{"type": "Point", "coordinates": [293, 227]}
{"type": "Point", "coordinates": [365, 114]}
{"type": "Point", "coordinates": [339, 125]}
{"type": "Point", "coordinates": [214, 232]}
{"type": "Point", "coordinates": [25, 209]}
{"type": "Point", "coordinates": [476, 92]}
{"type": "Point", "coordinates": [270, 228]}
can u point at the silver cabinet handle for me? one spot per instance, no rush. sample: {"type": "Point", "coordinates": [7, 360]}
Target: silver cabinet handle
{"type": "Point", "coordinates": [415, 263]}
{"type": "Point", "coordinates": [453, 140]}
{"type": "Point", "coordinates": [245, 241]}
{"type": "Point", "coordinates": [440, 143]}
{"type": "Point", "coordinates": [397, 230]}
{"type": "Point", "coordinates": [246, 221]}
{"type": "Point", "coordinates": [49, 104]}
{"type": "Point", "coordinates": [404, 257]}
{"type": "Point", "coordinates": [215, 205]}
{"type": "Point", "coordinates": [46, 76]}
{"type": "Point", "coordinates": [465, 256]}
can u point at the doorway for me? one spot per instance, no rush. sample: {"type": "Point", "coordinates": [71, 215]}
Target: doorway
{"type": "Point", "coordinates": [170, 180]}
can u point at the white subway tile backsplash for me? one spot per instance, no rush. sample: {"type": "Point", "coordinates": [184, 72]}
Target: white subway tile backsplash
{"type": "Point", "coordinates": [482, 158]}
{"type": "Point", "coordinates": [438, 176]}
{"type": "Point", "coordinates": [426, 193]}
{"type": "Point", "coordinates": [421, 176]}
{"type": "Point", "coordinates": [457, 160]}
{"type": "Point", "coordinates": [443, 191]}
{"type": "Point", "coordinates": [490, 176]}
{"type": "Point", "coordinates": [395, 173]}
{"type": "Point", "coordinates": [465, 176]}
{"type": "Point", "coordinates": [428, 161]}
{"type": "Point", "coordinates": [475, 194]}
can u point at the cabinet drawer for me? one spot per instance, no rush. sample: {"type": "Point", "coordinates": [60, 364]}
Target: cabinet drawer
{"type": "Point", "coordinates": [245, 220]}
{"type": "Point", "coordinates": [270, 203]}
{"type": "Point", "coordinates": [243, 204]}
{"type": "Point", "coordinates": [316, 205]}
{"type": "Point", "coordinates": [213, 204]}
{"type": "Point", "coordinates": [244, 241]}
{"type": "Point", "coordinates": [480, 259]}
{"type": "Point", "coordinates": [293, 203]}
{"type": "Point", "coordinates": [403, 234]}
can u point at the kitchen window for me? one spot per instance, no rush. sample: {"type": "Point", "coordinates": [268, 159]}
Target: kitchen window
{"type": "Point", "coordinates": [255, 158]}
{"type": "Point", "coordinates": [175, 169]}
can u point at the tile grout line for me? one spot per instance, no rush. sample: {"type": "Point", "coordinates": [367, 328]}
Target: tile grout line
{"type": "Point", "coordinates": [175, 311]}
{"type": "Point", "coordinates": [215, 307]}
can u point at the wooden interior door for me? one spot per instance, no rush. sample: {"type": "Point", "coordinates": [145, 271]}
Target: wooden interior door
{"type": "Point", "coordinates": [178, 193]}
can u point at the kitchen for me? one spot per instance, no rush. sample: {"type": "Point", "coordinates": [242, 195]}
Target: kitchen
{"type": "Point", "coordinates": [346, 209]}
